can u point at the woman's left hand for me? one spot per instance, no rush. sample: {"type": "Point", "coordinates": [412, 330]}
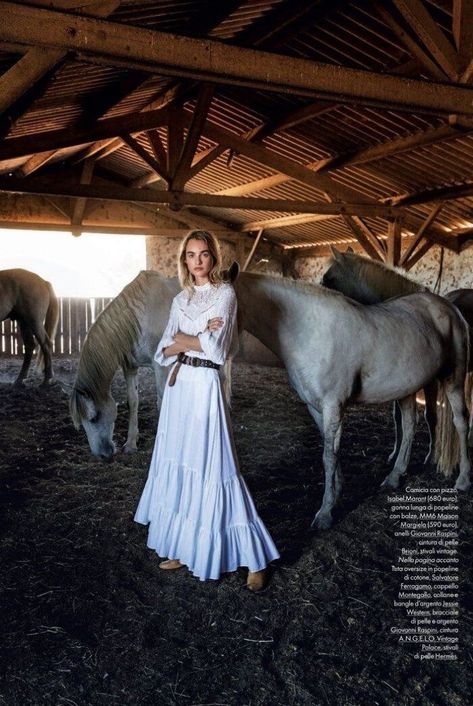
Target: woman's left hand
{"type": "Point", "coordinates": [182, 340]}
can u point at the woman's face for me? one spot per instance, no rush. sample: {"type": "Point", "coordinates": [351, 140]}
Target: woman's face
{"type": "Point", "coordinates": [198, 260]}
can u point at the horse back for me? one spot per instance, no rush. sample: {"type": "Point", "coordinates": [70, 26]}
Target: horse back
{"type": "Point", "coordinates": [23, 295]}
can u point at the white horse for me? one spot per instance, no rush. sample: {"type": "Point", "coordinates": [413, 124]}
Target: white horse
{"type": "Point", "coordinates": [370, 282]}
{"type": "Point", "coordinates": [126, 335]}
{"type": "Point", "coordinates": [337, 351]}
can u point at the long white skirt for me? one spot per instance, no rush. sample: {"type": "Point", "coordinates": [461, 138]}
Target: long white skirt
{"type": "Point", "coordinates": [196, 503]}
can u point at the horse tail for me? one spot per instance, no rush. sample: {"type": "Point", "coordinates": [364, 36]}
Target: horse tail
{"type": "Point", "coordinates": [447, 443]}
{"type": "Point", "coordinates": [50, 323]}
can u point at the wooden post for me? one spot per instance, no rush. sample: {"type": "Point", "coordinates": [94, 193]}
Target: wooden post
{"type": "Point", "coordinates": [394, 243]}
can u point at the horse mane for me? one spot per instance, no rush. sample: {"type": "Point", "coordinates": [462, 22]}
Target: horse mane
{"type": "Point", "coordinates": [108, 345]}
{"type": "Point", "coordinates": [295, 285]}
{"type": "Point", "coordinates": [386, 281]}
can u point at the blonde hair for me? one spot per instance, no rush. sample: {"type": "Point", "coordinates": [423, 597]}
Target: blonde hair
{"type": "Point", "coordinates": [186, 279]}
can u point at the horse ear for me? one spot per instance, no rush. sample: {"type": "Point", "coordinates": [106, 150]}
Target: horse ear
{"type": "Point", "coordinates": [337, 255]}
{"type": "Point", "coordinates": [233, 271]}
{"type": "Point", "coordinates": [350, 250]}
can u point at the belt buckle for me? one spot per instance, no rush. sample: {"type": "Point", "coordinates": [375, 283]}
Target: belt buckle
{"type": "Point", "coordinates": [196, 362]}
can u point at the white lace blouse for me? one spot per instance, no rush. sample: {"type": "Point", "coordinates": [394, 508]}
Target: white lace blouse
{"type": "Point", "coordinates": [191, 317]}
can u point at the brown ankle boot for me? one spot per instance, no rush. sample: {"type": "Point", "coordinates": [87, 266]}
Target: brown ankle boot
{"type": "Point", "coordinates": [171, 564]}
{"type": "Point", "coordinates": [257, 580]}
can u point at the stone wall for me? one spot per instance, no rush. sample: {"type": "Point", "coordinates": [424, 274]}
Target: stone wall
{"type": "Point", "coordinates": [457, 271]}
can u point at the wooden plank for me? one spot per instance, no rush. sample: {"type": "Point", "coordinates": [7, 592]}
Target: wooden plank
{"type": "Point", "coordinates": [363, 239]}
{"type": "Point", "coordinates": [57, 344]}
{"type": "Point", "coordinates": [442, 193]}
{"type": "Point", "coordinates": [157, 52]}
{"type": "Point", "coordinates": [431, 35]}
{"type": "Point", "coordinates": [82, 322]}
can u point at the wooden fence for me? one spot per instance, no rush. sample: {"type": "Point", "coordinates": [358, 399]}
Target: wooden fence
{"type": "Point", "coordinates": [76, 316]}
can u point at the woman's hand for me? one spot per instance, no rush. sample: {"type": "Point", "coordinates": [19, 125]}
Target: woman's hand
{"type": "Point", "coordinates": [214, 324]}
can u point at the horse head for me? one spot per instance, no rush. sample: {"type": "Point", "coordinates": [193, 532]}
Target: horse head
{"type": "Point", "coordinates": [336, 275]}
{"type": "Point", "coordinates": [97, 416]}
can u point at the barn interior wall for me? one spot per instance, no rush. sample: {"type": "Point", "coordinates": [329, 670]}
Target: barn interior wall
{"type": "Point", "coordinates": [457, 270]}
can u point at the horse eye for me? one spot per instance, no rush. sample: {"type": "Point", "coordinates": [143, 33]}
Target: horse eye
{"type": "Point", "coordinates": [96, 418]}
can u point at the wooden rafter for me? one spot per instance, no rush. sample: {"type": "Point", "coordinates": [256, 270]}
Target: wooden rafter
{"type": "Point", "coordinates": [199, 117]}
{"type": "Point", "coordinates": [431, 35]}
{"type": "Point", "coordinates": [441, 193]}
{"type": "Point", "coordinates": [412, 46]}
{"type": "Point", "coordinates": [420, 234]}
{"type": "Point", "coordinates": [134, 145]}
{"type": "Point", "coordinates": [58, 187]}
{"type": "Point", "coordinates": [371, 248]}
{"type": "Point", "coordinates": [38, 61]}
{"type": "Point", "coordinates": [423, 250]}
{"type": "Point", "coordinates": [137, 48]}
{"type": "Point", "coordinates": [463, 29]}
{"type": "Point", "coordinates": [248, 260]}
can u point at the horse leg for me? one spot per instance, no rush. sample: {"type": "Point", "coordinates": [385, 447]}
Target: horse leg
{"type": "Point", "coordinates": [131, 379]}
{"type": "Point", "coordinates": [407, 408]}
{"type": "Point", "coordinates": [46, 349]}
{"type": "Point", "coordinates": [460, 419]}
{"type": "Point", "coordinates": [430, 416]}
{"type": "Point", "coordinates": [397, 431]}
{"type": "Point", "coordinates": [28, 341]}
{"type": "Point", "coordinates": [332, 431]}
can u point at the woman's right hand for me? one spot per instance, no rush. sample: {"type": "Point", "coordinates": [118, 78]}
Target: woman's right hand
{"type": "Point", "coordinates": [214, 324]}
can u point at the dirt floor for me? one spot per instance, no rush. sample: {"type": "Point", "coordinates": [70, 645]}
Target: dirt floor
{"type": "Point", "coordinates": [88, 619]}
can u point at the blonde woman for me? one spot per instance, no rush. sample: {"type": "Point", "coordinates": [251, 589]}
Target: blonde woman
{"type": "Point", "coordinates": [198, 507]}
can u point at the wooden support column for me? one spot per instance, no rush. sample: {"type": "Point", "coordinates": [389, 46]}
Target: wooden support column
{"type": "Point", "coordinates": [424, 248]}
{"type": "Point", "coordinates": [80, 204]}
{"type": "Point", "coordinates": [240, 251]}
{"type": "Point", "coordinates": [175, 134]}
{"type": "Point", "coordinates": [193, 136]}
{"type": "Point", "coordinates": [394, 242]}
{"type": "Point", "coordinates": [253, 250]}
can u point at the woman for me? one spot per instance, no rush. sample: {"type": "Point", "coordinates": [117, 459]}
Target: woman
{"type": "Point", "coordinates": [199, 510]}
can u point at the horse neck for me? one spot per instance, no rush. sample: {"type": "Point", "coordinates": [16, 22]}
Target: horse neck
{"type": "Point", "coordinates": [371, 288]}
{"type": "Point", "coordinates": [270, 311]}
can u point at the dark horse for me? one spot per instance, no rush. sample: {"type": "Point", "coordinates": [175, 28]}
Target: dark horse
{"type": "Point", "coordinates": [27, 298]}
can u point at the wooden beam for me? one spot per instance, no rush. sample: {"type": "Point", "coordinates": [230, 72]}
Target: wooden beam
{"type": "Point", "coordinates": [38, 61]}
{"type": "Point", "coordinates": [363, 240]}
{"type": "Point", "coordinates": [416, 15]}
{"type": "Point", "coordinates": [199, 117]}
{"type": "Point", "coordinates": [281, 164]}
{"type": "Point", "coordinates": [175, 139]}
{"type": "Point", "coordinates": [441, 193]}
{"type": "Point", "coordinates": [424, 248]}
{"type": "Point", "coordinates": [253, 250]}
{"type": "Point", "coordinates": [412, 47]}
{"type": "Point", "coordinates": [159, 152]}
{"type": "Point", "coordinates": [80, 204]}
{"type": "Point", "coordinates": [58, 187]}
{"type": "Point", "coordinates": [394, 242]}
{"type": "Point", "coordinates": [138, 149]}
{"type": "Point", "coordinates": [107, 128]}
{"type": "Point", "coordinates": [462, 26]}
{"type": "Point", "coordinates": [420, 233]}
{"type": "Point", "coordinates": [158, 52]}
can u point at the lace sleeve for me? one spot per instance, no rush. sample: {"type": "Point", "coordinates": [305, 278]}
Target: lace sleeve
{"type": "Point", "coordinates": [216, 344]}
{"type": "Point", "coordinates": [168, 337]}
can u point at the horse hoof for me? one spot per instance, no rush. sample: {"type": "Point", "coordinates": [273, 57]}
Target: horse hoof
{"type": "Point", "coordinates": [462, 485]}
{"type": "Point", "coordinates": [128, 449]}
{"type": "Point", "coordinates": [389, 484]}
{"type": "Point", "coordinates": [322, 522]}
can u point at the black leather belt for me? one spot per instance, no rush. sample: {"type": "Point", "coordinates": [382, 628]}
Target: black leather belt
{"type": "Point", "coordinates": [183, 359]}
{"type": "Point", "coordinates": [197, 362]}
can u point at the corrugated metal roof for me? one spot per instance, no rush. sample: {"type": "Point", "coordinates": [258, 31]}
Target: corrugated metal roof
{"type": "Point", "coordinates": [351, 34]}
